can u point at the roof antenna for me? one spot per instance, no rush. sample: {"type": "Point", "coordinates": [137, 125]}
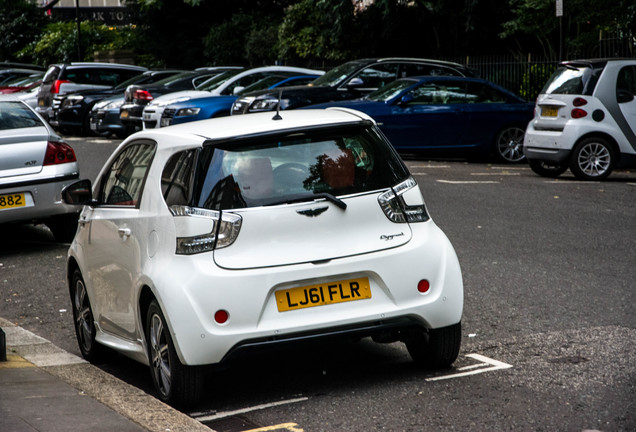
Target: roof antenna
{"type": "Point", "coordinates": [280, 96]}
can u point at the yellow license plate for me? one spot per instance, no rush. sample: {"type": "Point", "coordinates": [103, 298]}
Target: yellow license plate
{"type": "Point", "coordinates": [549, 111]}
{"type": "Point", "coordinates": [123, 114]}
{"type": "Point", "coordinates": [11, 201]}
{"type": "Point", "coordinates": [323, 294]}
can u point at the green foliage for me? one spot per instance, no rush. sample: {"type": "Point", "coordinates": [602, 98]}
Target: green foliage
{"type": "Point", "coordinates": [20, 22]}
{"type": "Point", "coordinates": [534, 79]}
{"type": "Point", "coordinates": [58, 42]}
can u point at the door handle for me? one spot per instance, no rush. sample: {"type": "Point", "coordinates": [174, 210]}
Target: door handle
{"type": "Point", "coordinates": [124, 232]}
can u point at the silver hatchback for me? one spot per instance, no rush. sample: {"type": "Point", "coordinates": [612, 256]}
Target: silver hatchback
{"type": "Point", "coordinates": [35, 164]}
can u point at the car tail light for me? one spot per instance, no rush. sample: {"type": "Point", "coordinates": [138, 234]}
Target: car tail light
{"type": "Point", "coordinates": [395, 208]}
{"type": "Point", "coordinates": [577, 102]}
{"type": "Point", "coordinates": [55, 87]}
{"type": "Point", "coordinates": [225, 230]}
{"type": "Point", "coordinates": [423, 286]}
{"type": "Point", "coordinates": [578, 113]}
{"type": "Point", "coordinates": [142, 94]}
{"type": "Point", "coordinates": [58, 153]}
{"type": "Point", "coordinates": [221, 316]}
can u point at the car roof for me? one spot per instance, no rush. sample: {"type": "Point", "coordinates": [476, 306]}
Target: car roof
{"type": "Point", "coordinates": [193, 134]}
{"type": "Point", "coordinates": [99, 64]}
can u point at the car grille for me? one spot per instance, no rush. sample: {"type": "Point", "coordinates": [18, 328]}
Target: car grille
{"type": "Point", "coordinates": [99, 115]}
{"type": "Point", "coordinates": [168, 113]}
{"type": "Point", "coordinates": [150, 124]}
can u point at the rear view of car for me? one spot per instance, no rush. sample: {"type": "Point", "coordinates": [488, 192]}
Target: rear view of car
{"type": "Point", "coordinates": [585, 120]}
{"type": "Point", "coordinates": [34, 167]}
{"type": "Point", "coordinates": [223, 237]}
{"type": "Point", "coordinates": [72, 77]}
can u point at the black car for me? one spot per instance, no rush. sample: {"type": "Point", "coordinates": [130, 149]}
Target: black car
{"type": "Point", "coordinates": [71, 111]}
{"type": "Point", "coordinates": [347, 81]}
{"type": "Point", "coordinates": [136, 97]}
{"type": "Point", "coordinates": [65, 78]}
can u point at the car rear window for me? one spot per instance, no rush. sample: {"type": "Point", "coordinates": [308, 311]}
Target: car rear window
{"type": "Point", "coordinates": [573, 79]}
{"type": "Point", "coordinates": [15, 115]}
{"type": "Point", "coordinates": [98, 76]}
{"type": "Point", "coordinates": [276, 169]}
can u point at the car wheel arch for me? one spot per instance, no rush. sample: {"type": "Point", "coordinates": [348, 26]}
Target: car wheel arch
{"type": "Point", "coordinates": [602, 135]}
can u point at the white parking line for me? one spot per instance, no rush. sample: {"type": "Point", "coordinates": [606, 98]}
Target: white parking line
{"type": "Point", "coordinates": [496, 174]}
{"type": "Point", "coordinates": [486, 365]}
{"type": "Point", "coordinates": [467, 181]}
{"type": "Point", "coordinates": [224, 414]}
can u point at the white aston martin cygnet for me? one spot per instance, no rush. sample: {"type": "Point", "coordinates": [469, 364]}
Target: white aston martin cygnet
{"type": "Point", "coordinates": [211, 239]}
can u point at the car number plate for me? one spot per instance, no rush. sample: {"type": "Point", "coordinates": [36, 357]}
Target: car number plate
{"type": "Point", "coordinates": [93, 126]}
{"type": "Point", "coordinates": [123, 114]}
{"type": "Point", "coordinates": [12, 200]}
{"type": "Point", "coordinates": [323, 294]}
{"type": "Point", "coordinates": [549, 111]}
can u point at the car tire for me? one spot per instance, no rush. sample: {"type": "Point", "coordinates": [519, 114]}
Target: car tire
{"type": "Point", "coordinates": [436, 348]}
{"type": "Point", "coordinates": [509, 144]}
{"type": "Point", "coordinates": [592, 159]}
{"type": "Point", "coordinates": [176, 384]}
{"type": "Point", "coordinates": [545, 169]}
{"type": "Point", "coordinates": [84, 321]}
{"type": "Point", "coordinates": [63, 227]}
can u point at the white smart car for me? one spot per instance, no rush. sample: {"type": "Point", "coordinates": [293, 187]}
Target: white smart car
{"type": "Point", "coordinates": [211, 239]}
{"type": "Point", "coordinates": [585, 120]}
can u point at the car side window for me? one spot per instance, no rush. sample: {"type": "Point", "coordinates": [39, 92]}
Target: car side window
{"type": "Point", "coordinates": [482, 93]}
{"type": "Point", "coordinates": [412, 69]}
{"type": "Point", "coordinates": [626, 80]}
{"type": "Point", "coordinates": [378, 75]}
{"type": "Point", "coordinates": [438, 93]}
{"type": "Point", "coordinates": [122, 184]}
{"type": "Point", "coordinates": [176, 178]}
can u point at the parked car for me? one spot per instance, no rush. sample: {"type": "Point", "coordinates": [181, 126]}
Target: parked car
{"type": "Point", "coordinates": [348, 81]}
{"type": "Point", "coordinates": [64, 78]}
{"type": "Point", "coordinates": [200, 108]}
{"type": "Point", "coordinates": [585, 120]}
{"type": "Point", "coordinates": [448, 114]}
{"type": "Point", "coordinates": [14, 65]}
{"type": "Point", "coordinates": [136, 97]}
{"type": "Point", "coordinates": [8, 75]}
{"type": "Point", "coordinates": [294, 228]}
{"type": "Point", "coordinates": [221, 91]}
{"type": "Point", "coordinates": [35, 164]}
{"type": "Point", "coordinates": [105, 120]}
{"type": "Point", "coordinates": [22, 83]}
{"type": "Point", "coordinates": [71, 111]}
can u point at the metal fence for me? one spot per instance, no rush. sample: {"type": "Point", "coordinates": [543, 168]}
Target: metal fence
{"type": "Point", "coordinates": [524, 76]}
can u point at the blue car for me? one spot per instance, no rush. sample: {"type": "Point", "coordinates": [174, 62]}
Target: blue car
{"type": "Point", "coordinates": [219, 105]}
{"type": "Point", "coordinates": [448, 114]}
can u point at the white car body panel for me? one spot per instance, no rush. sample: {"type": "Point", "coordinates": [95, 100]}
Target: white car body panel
{"type": "Point", "coordinates": [120, 251]}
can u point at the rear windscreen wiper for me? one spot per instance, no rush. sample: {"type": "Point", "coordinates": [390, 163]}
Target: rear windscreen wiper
{"type": "Point", "coordinates": [311, 197]}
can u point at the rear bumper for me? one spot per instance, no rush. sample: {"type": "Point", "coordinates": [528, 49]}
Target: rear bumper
{"type": "Point", "coordinates": [256, 323]}
{"type": "Point", "coordinates": [43, 199]}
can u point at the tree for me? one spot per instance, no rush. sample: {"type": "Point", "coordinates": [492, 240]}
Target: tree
{"type": "Point", "coordinates": [21, 22]}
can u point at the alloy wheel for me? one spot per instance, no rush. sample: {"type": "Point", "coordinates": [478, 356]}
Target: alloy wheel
{"type": "Point", "coordinates": [83, 317]}
{"type": "Point", "coordinates": [510, 144]}
{"type": "Point", "coordinates": [159, 355]}
{"type": "Point", "coordinates": [594, 159]}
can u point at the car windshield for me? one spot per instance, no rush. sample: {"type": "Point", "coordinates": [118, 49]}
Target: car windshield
{"type": "Point", "coordinates": [573, 79]}
{"type": "Point", "coordinates": [264, 83]}
{"type": "Point", "coordinates": [15, 115]}
{"type": "Point", "coordinates": [391, 90]}
{"type": "Point", "coordinates": [218, 80]}
{"type": "Point", "coordinates": [334, 76]}
{"type": "Point", "coordinates": [297, 166]}
{"type": "Point", "coordinates": [174, 78]}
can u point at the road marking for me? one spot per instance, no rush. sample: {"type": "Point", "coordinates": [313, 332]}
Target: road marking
{"type": "Point", "coordinates": [224, 414]}
{"type": "Point", "coordinates": [467, 181]}
{"type": "Point", "coordinates": [292, 427]}
{"type": "Point", "coordinates": [486, 365]}
{"type": "Point", "coordinates": [430, 166]}
{"type": "Point", "coordinates": [496, 174]}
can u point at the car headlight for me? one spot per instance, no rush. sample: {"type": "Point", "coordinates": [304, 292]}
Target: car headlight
{"type": "Point", "coordinates": [114, 104]}
{"type": "Point", "coordinates": [268, 104]}
{"type": "Point", "coordinates": [73, 100]}
{"type": "Point", "coordinates": [184, 112]}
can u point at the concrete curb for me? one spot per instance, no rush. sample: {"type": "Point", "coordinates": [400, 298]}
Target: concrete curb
{"type": "Point", "coordinates": [129, 401]}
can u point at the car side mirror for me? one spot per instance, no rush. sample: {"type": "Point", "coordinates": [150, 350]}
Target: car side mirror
{"type": "Point", "coordinates": [623, 96]}
{"type": "Point", "coordinates": [78, 193]}
{"type": "Point", "coordinates": [406, 99]}
{"type": "Point", "coordinates": [238, 89]}
{"type": "Point", "coordinates": [355, 82]}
